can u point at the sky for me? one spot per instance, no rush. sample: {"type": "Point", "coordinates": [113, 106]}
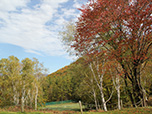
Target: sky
{"type": "Point", "coordinates": [30, 28]}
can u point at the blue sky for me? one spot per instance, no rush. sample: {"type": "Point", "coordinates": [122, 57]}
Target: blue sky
{"type": "Point", "coordinates": [29, 28]}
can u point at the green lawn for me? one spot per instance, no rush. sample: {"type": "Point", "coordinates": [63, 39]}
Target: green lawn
{"type": "Point", "coordinates": [75, 107]}
{"type": "Point", "coordinates": [63, 107]}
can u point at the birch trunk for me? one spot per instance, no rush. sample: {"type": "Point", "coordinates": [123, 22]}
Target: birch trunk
{"type": "Point", "coordinates": [118, 91]}
{"type": "Point", "coordinates": [116, 84]}
{"type": "Point", "coordinates": [36, 94]}
{"type": "Point", "coordinates": [16, 95]}
{"type": "Point", "coordinates": [145, 99]}
{"type": "Point", "coordinates": [95, 99]}
{"type": "Point", "coordinates": [23, 99]}
{"type": "Point", "coordinates": [117, 87]}
{"type": "Point", "coordinates": [16, 98]}
{"type": "Point", "coordinates": [99, 83]}
{"type": "Point", "coordinates": [27, 98]}
{"type": "Point", "coordinates": [102, 96]}
{"type": "Point", "coordinates": [119, 102]}
{"type": "Point", "coordinates": [31, 98]}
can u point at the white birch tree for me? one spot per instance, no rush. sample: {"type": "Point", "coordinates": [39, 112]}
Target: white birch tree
{"type": "Point", "coordinates": [98, 71]}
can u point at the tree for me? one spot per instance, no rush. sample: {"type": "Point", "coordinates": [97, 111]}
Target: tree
{"type": "Point", "coordinates": [27, 73]}
{"type": "Point", "coordinates": [39, 73]}
{"type": "Point", "coordinates": [86, 82]}
{"type": "Point", "coordinates": [98, 69]}
{"type": "Point", "coordinates": [67, 36]}
{"type": "Point", "coordinates": [10, 72]}
{"type": "Point", "coordinates": [20, 82]}
{"type": "Point", "coordinates": [116, 73]}
{"type": "Point", "coordinates": [123, 28]}
{"type": "Point", "coordinates": [68, 39]}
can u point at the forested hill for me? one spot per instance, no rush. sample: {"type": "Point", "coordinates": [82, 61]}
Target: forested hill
{"type": "Point", "coordinates": [65, 70]}
{"type": "Point", "coordinates": [60, 72]}
{"type": "Point", "coordinates": [63, 84]}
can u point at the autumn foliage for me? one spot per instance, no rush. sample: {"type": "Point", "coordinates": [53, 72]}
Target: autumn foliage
{"type": "Point", "coordinates": [123, 30]}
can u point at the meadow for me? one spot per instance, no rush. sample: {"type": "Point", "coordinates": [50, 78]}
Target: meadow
{"type": "Point", "coordinates": [73, 108]}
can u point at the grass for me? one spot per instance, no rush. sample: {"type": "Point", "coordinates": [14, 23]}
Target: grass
{"type": "Point", "coordinates": [23, 113]}
{"type": "Point", "coordinates": [71, 107]}
{"type": "Point", "coordinates": [145, 110]}
{"type": "Point", "coordinates": [63, 107]}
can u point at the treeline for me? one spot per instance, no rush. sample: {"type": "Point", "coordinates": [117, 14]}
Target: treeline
{"type": "Point", "coordinates": [77, 82]}
{"type": "Point", "coordinates": [21, 82]}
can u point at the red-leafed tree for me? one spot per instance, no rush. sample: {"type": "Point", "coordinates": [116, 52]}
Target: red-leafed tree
{"type": "Point", "coordinates": [123, 29]}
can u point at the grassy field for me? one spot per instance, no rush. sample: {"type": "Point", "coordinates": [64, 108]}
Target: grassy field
{"type": "Point", "coordinates": [124, 111]}
{"type": "Point", "coordinates": [73, 108]}
{"type": "Point", "coordinates": [63, 107]}
{"type": "Point", "coordinates": [146, 110]}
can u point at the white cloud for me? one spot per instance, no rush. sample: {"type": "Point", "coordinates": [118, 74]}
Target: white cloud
{"type": "Point", "coordinates": [11, 5]}
{"type": "Point", "coordinates": [35, 52]}
{"type": "Point", "coordinates": [26, 27]}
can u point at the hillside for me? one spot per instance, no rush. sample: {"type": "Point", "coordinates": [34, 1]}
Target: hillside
{"type": "Point", "coordinates": [60, 72]}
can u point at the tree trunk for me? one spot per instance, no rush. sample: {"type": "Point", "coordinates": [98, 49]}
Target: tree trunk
{"type": "Point", "coordinates": [103, 100]}
{"type": "Point", "coordinates": [119, 103]}
{"type": "Point", "coordinates": [23, 99]}
{"type": "Point", "coordinates": [16, 98]}
{"type": "Point", "coordinates": [137, 88]}
{"type": "Point", "coordinates": [133, 75]}
{"type": "Point", "coordinates": [117, 86]}
{"type": "Point", "coordinates": [17, 101]}
{"type": "Point", "coordinates": [95, 99]}
{"type": "Point", "coordinates": [22, 104]}
{"type": "Point", "coordinates": [145, 99]}
{"type": "Point", "coordinates": [116, 83]}
{"type": "Point", "coordinates": [99, 83]}
{"type": "Point", "coordinates": [102, 94]}
{"type": "Point", "coordinates": [129, 91]}
{"type": "Point", "coordinates": [16, 95]}
{"type": "Point", "coordinates": [31, 98]}
{"type": "Point", "coordinates": [36, 94]}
